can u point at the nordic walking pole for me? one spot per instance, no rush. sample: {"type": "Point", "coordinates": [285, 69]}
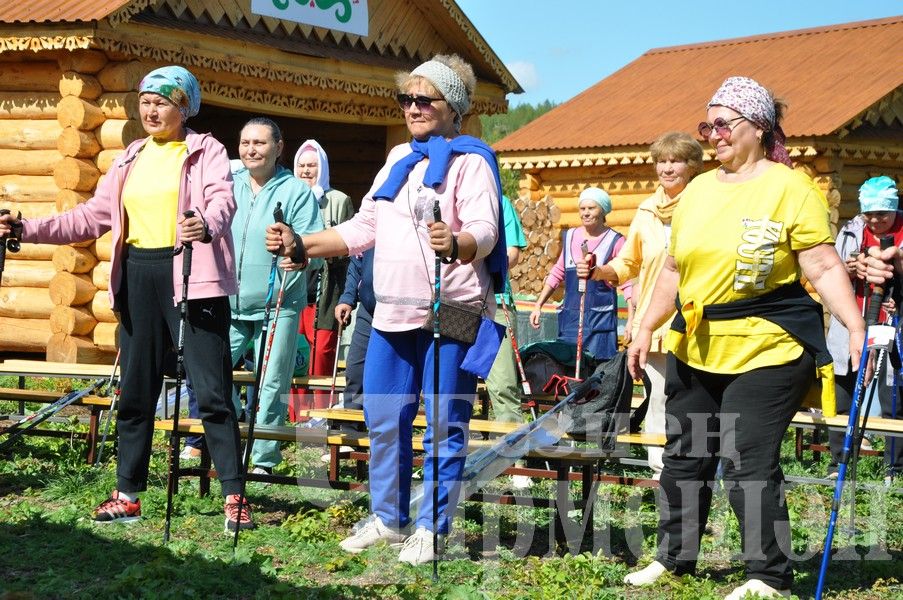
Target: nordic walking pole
{"type": "Point", "coordinates": [581, 287]}
{"type": "Point", "coordinates": [513, 338]}
{"type": "Point", "coordinates": [8, 242]}
{"type": "Point", "coordinates": [263, 357]}
{"type": "Point", "coordinates": [36, 418]}
{"type": "Point", "coordinates": [437, 217]}
{"type": "Point", "coordinates": [874, 306]}
{"type": "Point", "coordinates": [859, 431]}
{"type": "Point", "coordinates": [186, 250]}
{"type": "Point", "coordinates": [335, 366]}
{"type": "Point", "coordinates": [114, 396]}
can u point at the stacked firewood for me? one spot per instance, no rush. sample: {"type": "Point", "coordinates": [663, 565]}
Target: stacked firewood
{"type": "Point", "coordinates": [540, 219]}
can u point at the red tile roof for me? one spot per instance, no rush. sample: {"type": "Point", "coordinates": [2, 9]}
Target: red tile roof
{"type": "Point", "coordinates": [58, 11]}
{"type": "Point", "coordinates": [827, 75]}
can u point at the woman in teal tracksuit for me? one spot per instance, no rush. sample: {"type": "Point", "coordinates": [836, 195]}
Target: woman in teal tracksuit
{"type": "Point", "coordinates": [257, 188]}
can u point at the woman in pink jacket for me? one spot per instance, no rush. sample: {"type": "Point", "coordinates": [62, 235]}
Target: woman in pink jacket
{"type": "Point", "coordinates": [142, 200]}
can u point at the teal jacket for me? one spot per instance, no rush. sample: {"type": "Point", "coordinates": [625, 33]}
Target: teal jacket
{"type": "Point", "coordinates": [252, 261]}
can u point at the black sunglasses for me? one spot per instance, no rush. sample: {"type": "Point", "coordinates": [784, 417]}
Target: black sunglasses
{"type": "Point", "coordinates": [423, 102]}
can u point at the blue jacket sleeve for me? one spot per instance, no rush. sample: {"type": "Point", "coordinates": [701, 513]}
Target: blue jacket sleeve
{"type": "Point", "coordinates": [352, 281]}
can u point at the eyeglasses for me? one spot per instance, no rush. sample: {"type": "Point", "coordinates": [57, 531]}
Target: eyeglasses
{"type": "Point", "coordinates": [423, 102]}
{"type": "Point", "coordinates": [720, 126]}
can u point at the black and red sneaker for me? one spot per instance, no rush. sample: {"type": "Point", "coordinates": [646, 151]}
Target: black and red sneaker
{"type": "Point", "coordinates": [117, 510]}
{"type": "Point", "coordinates": [235, 517]}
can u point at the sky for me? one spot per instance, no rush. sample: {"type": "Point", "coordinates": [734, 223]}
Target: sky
{"type": "Point", "coordinates": [558, 48]}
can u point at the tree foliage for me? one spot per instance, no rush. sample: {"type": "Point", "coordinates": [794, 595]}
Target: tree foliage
{"type": "Point", "coordinates": [495, 127]}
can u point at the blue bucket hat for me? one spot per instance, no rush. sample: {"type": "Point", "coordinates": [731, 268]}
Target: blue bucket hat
{"type": "Point", "coordinates": [166, 80]}
{"type": "Point", "coordinates": [597, 195]}
{"type": "Point", "coordinates": [878, 194]}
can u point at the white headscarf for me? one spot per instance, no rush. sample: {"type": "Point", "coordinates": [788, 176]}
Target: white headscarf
{"type": "Point", "coordinates": [322, 185]}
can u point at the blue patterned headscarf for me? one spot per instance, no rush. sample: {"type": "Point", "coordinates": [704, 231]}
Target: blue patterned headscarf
{"type": "Point", "coordinates": [166, 80]}
{"type": "Point", "coordinates": [878, 194]}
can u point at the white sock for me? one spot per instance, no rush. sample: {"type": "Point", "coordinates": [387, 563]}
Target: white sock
{"type": "Point", "coordinates": [128, 497]}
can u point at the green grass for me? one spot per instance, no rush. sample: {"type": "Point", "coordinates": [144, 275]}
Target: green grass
{"type": "Point", "coordinates": [50, 549]}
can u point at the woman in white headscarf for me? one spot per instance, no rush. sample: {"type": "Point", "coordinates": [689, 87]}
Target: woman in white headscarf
{"type": "Point", "coordinates": [325, 285]}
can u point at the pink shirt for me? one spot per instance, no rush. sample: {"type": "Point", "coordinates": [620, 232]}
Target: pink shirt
{"type": "Point", "coordinates": [556, 275]}
{"type": "Point", "coordinates": [403, 263]}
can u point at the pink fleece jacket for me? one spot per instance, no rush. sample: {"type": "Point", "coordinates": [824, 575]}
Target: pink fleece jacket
{"type": "Point", "coordinates": [206, 188]}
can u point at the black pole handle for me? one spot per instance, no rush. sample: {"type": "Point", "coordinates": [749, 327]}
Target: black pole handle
{"type": "Point", "coordinates": [879, 290]}
{"type": "Point", "coordinates": [186, 259]}
{"type": "Point", "coordinates": [437, 214]}
{"type": "Point", "coordinates": [278, 216]}
{"type": "Point", "coordinates": [3, 240]}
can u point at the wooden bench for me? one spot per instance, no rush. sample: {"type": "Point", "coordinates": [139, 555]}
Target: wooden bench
{"type": "Point", "coordinates": [818, 423]}
{"type": "Point", "coordinates": [561, 459]}
{"type": "Point", "coordinates": [95, 404]}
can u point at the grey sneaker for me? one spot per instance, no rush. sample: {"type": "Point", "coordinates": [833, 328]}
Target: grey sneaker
{"type": "Point", "coordinates": [418, 548]}
{"type": "Point", "coordinates": [371, 532]}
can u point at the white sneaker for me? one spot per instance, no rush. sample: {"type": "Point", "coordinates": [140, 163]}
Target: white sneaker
{"type": "Point", "coordinates": [343, 450]}
{"type": "Point", "coordinates": [190, 453]}
{"type": "Point", "coordinates": [418, 548]}
{"type": "Point", "coordinates": [646, 576]}
{"type": "Point", "coordinates": [521, 482]}
{"type": "Point", "coordinates": [372, 532]}
{"type": "Point", "coordinates": [757, 589]}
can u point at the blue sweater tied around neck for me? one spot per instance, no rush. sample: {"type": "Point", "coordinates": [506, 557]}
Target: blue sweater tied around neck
{"type": "Point", "coordinates": [440, 152]}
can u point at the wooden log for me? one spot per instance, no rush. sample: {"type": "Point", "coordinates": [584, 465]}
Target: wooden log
{"type": "Point", "coordinates": [27, 273]}
{"type": "Point", "coordinates": [119, 133]}
{"type": "Point", "coordinates": [119, 105]}
{"type": "Point", "coordinates": [24, 335]}
{"type": "Point", "coordinates": [28, 162]}
{"type": "Point", "coordinates": [100, 308]}
{"type": "Point", "coordinates": [27, 188]}
{"type": "Point", "coordinates": [29, 105]}
{"type": "Point", "coordinates": [69, 199]}
{"type": "Point", "coordinates": [535, 237]}
{"type": "Point", "coordinates": [73, 260]}
{"type": "Point", "coordinates": [103, 247]}
{"type": "Point", "coordinates": [32, 252]}
{"type": "Point", "coordinates": [100, 276]}
{"type": "Point", "coordinates": [75, 174]}
{"type": "Point", "coordinates": [554, 214]}
{"type": "Point", "coordinates": [106, 336]}
{"type": "Point", "coordinates": [122, 76]}
{"type": "Point", "coordinates": [71, 320]}
{"type": "Point", "coordinates": [32, 210]}
{"type": "Point", "coordinates": [542, 211]}
{"type": "Point", "coordinates": [25, 303]}
{"type": "Point", "coordinates": [82, 61]}
{"type": "Point", "coordinates": [80, 85]}
{"type": "Point", "coordinates": [30, 77]}
{"type": "Point", "coordinates": [22, 134]}
{"type": "Point", "coordinates": [78, 143]}
{"type": "Point", "coordinates": [105, 158]}
{"type": "Point", "coordinates": [75, 112]}
{"type": "Point", "coordinates": [619, 218]}
{"type": "Point", "coordinates": [553, 247]}
{"type": "Point", "coordinates": [67, 289]}
{"type": "Point", "coordinates": [74, 349]}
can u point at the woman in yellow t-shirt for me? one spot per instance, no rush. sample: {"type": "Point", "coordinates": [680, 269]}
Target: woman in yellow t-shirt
{"type": "Point", "coordinates": [744, 346]}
